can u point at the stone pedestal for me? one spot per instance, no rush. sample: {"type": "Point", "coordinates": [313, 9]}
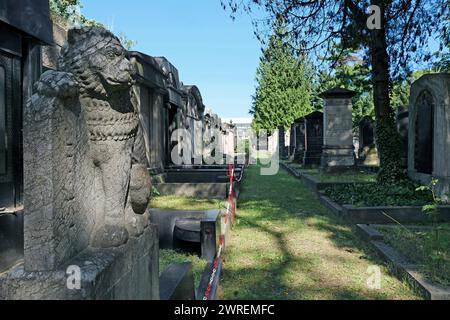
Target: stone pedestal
{"type": "Point", "coordinates": [129, 272]}
{"type": "Point", "coordinates": [338, 149]}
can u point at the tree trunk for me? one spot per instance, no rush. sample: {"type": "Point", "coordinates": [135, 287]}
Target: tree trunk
{"type": "Point", "coordinates": [380, 73]}
{"type": "Point", "coordinates": [388, 140]}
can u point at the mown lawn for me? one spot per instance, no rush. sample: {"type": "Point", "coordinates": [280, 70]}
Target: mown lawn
{"type": "Point", "coordinates": [185, 203]}
{"type": "Point", "coordinates": [285, 245]}
{"type": "Point", "coordinates": [350, 176]}
{"type": "Point", "coordinates": [421, 246]}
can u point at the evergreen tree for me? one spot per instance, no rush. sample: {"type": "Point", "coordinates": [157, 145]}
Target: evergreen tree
{"type": "Point", "coordinates": [394, 35]}
{"type": "Point", "coordinates": [349, 71]}
{"type": "Point", "coordinates": [284, 85]}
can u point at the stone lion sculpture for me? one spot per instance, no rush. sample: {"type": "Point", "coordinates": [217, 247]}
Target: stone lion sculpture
{"type": "Point", "coordinates": [94, 80]}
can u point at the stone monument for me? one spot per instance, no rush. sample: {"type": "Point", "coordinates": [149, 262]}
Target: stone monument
{"type": "Point", "coordinates": [313, 134]}
{"type": "Point", "coordinates": [429, 131]}
{"type": "Point", "coordinates": [402, 115]}
{"type": "Point", "coordinates": [298, 140]}
{"type": "Point", "coordinates": [368, 152]}
{"type": "Point", "coordinates": [338, 150]}
{"type": "Point", "coordinates": [86, 182]}
{"type": "Point", "coordinates": [282, 142]}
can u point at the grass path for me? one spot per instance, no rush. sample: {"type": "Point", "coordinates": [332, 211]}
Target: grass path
{"type": "Point", "coordinates": [286, 245]}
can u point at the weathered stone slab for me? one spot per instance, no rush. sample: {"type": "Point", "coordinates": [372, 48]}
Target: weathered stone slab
{"type": "Point", "coordinates": [200, 228]}
{"type": "Point", "coordinates": [177, 283]}
{"type": "Point", "coordinates": [123, 273]}
{"type": "Point", "coordinates": [429, 131]}
{"type": "Point", "coordinates": [338, 150]}
{"type": "Point", "coordinates": [402, 267]}
{"type": "Point", "coordinates": [194, 190]}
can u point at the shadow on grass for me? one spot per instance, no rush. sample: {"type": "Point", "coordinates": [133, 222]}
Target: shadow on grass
{"type": "Point", "coordinates": [260, 287]}
{"type": "Point", "coordinates": [279, 206]}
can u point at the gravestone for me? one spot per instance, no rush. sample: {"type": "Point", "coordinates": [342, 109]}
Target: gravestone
{"type": "Point", "coordinates": [176, 118]}
{"type": "Point", "coordinates": [282, 142]}
{"type": "Point", "coordinates": [312, 132]}
{"type": "Point", "coordinates": [298, 137]}
{"type": "Point", "coordinates": [229, 141]}
{"type": "Point", "coordinates": [368, 153]}
{"type": "Point", "coordinates": [86, 182]}
{"type": "Point", "coordinates": [338, 150]}
{"type": "Point", "coordinates": [194, 118]}
{"type": "Point", "coordinates": [402, 127]}
{"type": "Point", "coordinates": [429, 131]}
{"type": "Point", "coordinates": [149, 91]}
{"type": "Point", "coordinates": [212, 138]}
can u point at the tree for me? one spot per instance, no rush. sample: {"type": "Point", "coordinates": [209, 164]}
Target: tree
{"type": "Point", "coordinates": [65, 9]}
{"type": "Point", "coordinates": [70, 11]}
{"type": "Point", "coordinates": [349, 71]}
{"type": "Point", "coordinates": [443, 61]}
{"type": "Point", "coordinates": [284, 85]}
{"type": "Point", "coordinates": [393, 37]}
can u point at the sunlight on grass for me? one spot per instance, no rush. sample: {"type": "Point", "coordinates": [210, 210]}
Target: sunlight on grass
{"type": "Point", "coordinates": [285, 245]}
{"type": "Point", "coordinates": [345, 176]}
{"type": "Point", "coordinates": [184, 203]}
{"type": "Point", "coordinates": [419, 245]}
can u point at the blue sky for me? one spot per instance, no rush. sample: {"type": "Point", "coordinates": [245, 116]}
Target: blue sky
{"type": "Point", "coordinates": [209, 49]}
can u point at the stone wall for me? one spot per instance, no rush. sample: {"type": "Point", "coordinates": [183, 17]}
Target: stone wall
{"type": "Point", "coordinates": [50, 54]}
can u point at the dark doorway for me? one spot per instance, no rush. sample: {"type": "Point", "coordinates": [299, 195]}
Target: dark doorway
{"type": "Point", "coordinates": [10, 132]}
{"type": "Point", "coordinates": [423, 156]}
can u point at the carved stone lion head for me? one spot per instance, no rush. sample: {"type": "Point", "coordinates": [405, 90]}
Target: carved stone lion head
{"type": "Point", "coordinates": [97, 59]}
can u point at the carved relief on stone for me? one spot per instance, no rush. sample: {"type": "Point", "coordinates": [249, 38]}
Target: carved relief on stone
{"type": "Point", "coordinates": [111, 186]}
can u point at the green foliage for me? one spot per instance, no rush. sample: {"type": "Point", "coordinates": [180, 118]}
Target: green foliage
{"type": "Point", "coordinates": [432, 209]}
{"type": "Point", "coordinates": [419, 245]}
{"type": "Point", "coordinates": [65, 9]}
{"type": "Point", "coordinates": [284, 85]}
{"type": "Point", "coordinates": [168, 257]}
{"type": "Point", "coordinates": [392, 50]}
{"type": "Point", "coordinates": [127, 43]}
{"type": "Point", "coordinates": [155, 191]}
{"type": "Point", "coordinates": [69, 11]}
{"type": "Point", "coordinates": [443, 65]}
{"type": "Point", "coordinates": [403, 193]}
{"type": "Point", "coordinates": [351, 72]}
{"type": "Point", "coordinates": [388, 141]}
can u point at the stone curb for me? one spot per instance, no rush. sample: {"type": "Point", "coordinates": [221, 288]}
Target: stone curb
{"type": "Point", "coordinates": [400, 266]}
{"type": "Point", "coordinates": [313, 184]}
{"type": "Point", "coordinates": [381, 215]}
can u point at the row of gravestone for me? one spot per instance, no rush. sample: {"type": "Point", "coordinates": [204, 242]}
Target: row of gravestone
{"type": "Point", "coordinates": [90, 133]}
{"type": "Point", "coordinates": [326, 138]}
{"type": "Point", "coordinates": [323, 138]}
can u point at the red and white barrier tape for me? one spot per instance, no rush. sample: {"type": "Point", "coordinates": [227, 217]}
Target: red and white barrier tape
{"type": "Point", "coordinates": [231, 206]}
